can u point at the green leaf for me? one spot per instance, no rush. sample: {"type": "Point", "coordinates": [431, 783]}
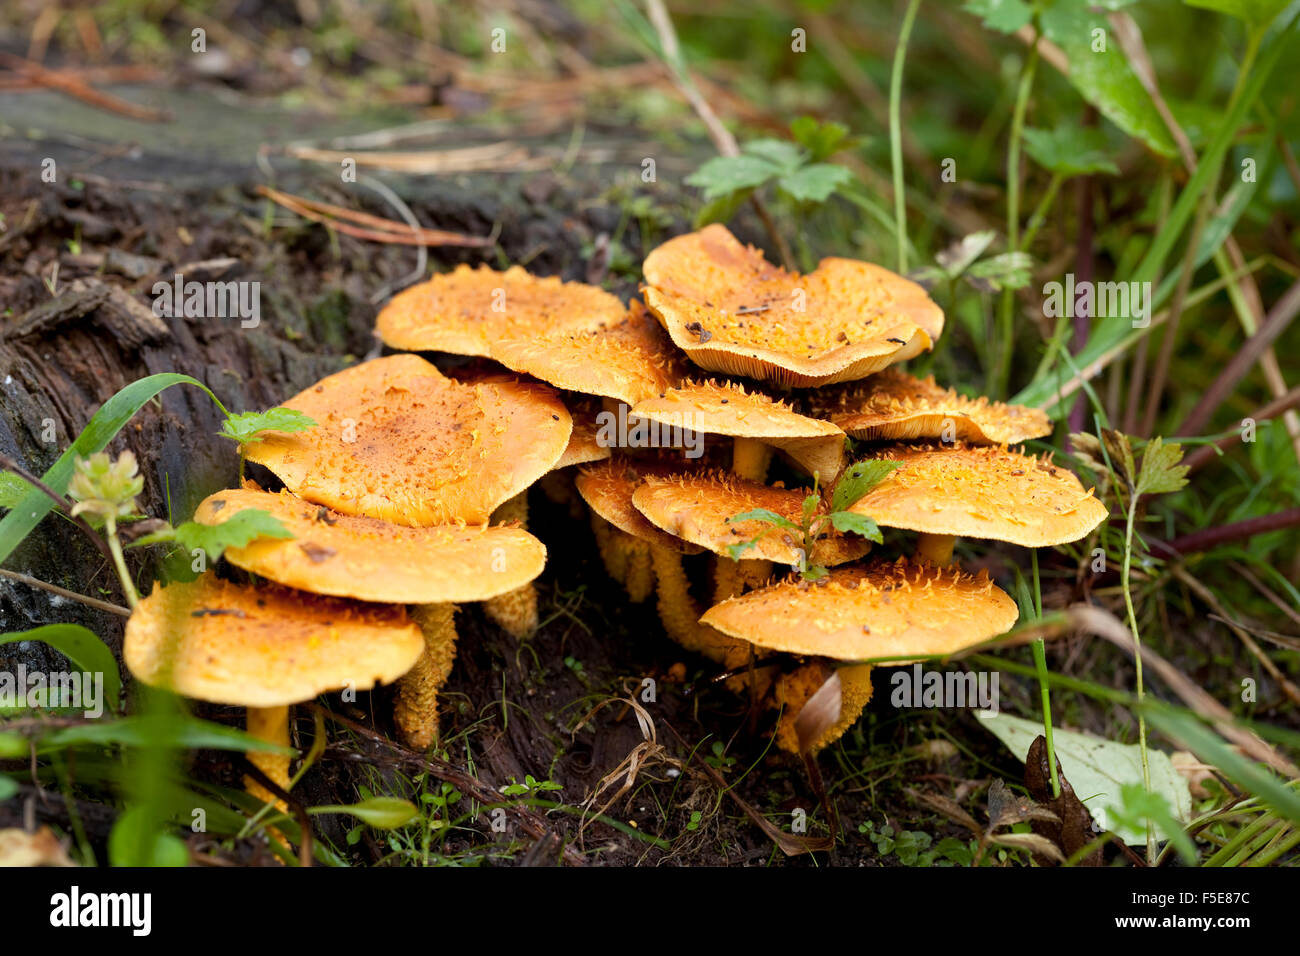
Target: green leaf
{"type": "Point", "coordinates": [851, 521]}
{"type": "Point", "coordinates": [8, 787]}
{"type": "Point", "coordinates": [734, 551]}
{"type": "Point", "coordinates": [80, 646]}
{"type": "Point", "coordinates": [1161, 473]}
{"type": "Point", "coordinates": [821, 140]}
{"type": "Point", "coordinates": [383, 813]}
{"type": "Point", "coordinates": [722, 208]}
{"type": "Point", "coordinates": [1004, 16]}
{"type": "Point", "coordinates": [784, 155]}
{"type": "Point", "coordinates": [1098, 769]}
{"type": "Point", "coordinates": [1138, 806]}
{"type": "Point", "coordinates": [858, 479]}
{"type": "Point", "coordinates": [235, 532]}
{"type": "Point", "coordinates": [13, 746]}
{"type": "Point", "coordinates": [176, 731]}
{"type": "Point", "coordinates": [958, 257]}
{"type": "Point", "coordinates": [1070, 150]}
{"type": "Point", "coordinates": [814, 183]}
{"type": "Point", "coordinates": [1008, 270]}
{"type": "Point", "coordinates": [99, 431]}
{"type": "Point", "coordinates": [12, 489]}
{"type": "Point", "coordinates": [138, 840]}
{"type": "Point", "coordinates": [248, 426]}
{"type": "Point", "coordinates": [727, 174]}
{"type": "Point", "coordinates": [762, 514]}
{"type": "Point", "coordinates": [1257, 13]}
{"type": "Point", "coordinates": [1104, 77]}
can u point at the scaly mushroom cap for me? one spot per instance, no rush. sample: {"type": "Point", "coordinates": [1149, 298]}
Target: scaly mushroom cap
{"type": "Point", "coordinates": [880, 609]}
{"type": "Point", "coordinates": [266, 646]}
{"type": "Point", "coordinates": [584, 441]}
{"type": "Point", "coordinates": [726, 408]}
{"type": "Point", "coordinates": [732, 311]}
{"type": "Point", "coordinates": [981, 492]}
{"type": "Point", "coordinates": [893, 404]}
{"type": "Point", "coordinates": [607, 487]}
{"type": "Point", "coordinates": [696, 507]}
{"type": "Point", "coordinates": [628, 361]}
{"type": "Point", "coordinates": [373, 560]}
{"type": "Point", "coordinates": [468, 309]}
{"type": "Point", "coordinates": [396, 439]}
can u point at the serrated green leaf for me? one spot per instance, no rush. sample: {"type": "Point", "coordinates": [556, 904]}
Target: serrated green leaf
{"type": "Point", "coordinates": [722, 175]}
{"type": "Point", "coordinates": [858, 479]}
{"type": "Point", "coordinates": [722, 208]}
{"type": "Point", "coordinates": [1103, 77]}
{"type": "Point", "coordinates": [814, 183]}
{"type": "Point", "coordinates": [821, 140]}
{"type": "Point", "coordinates": [1004, 16]}
{"type": "Point", "coordinates": [1161, 472]}
{"type": "Point", "coordinates": [1007, 270]}
{"type": "Point", "coordinates": [235, 532]}
{"type": "Point", "coordinates": [784, 155]}
{"type": "Point", "coordinates": [1070, 150]}
{"type": "Point", "coordinates": [763, 514]}
{"type": "Point", "coordinates": [248, 426]}
{"type": "Point", "coordinates": [80, 646]}
{"type": "Point", "coordinates": [851, 521]}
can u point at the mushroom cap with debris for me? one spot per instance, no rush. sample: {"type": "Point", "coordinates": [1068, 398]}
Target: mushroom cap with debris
{"type": "Point", "coordinates": [265, 646]}
{"type": "Point", "coordinates": [608, 487]}
{"type": "Point", "coordinates": [981, 492]}
{"type": "Point", "coordinates": [892, 404]}
{"type": "Point", "coordinates": [585, 444]}
{"type": "Point", "coordinates": [373, 560]}
{"type": "Point", "coordinates": [732, 311]}
{"type": "Point", "coordinates": [468, 309]}
{"type": "Point", "coordinates": [728, 408]}
{"type": "Point", "coordinates": [695, 508]}
{"type": "Point", "coordinates": [396, 439]}
{"type": "Point", "coordinates": [894, 610]}
{"type": "Point", "coordinates": [627, 361]}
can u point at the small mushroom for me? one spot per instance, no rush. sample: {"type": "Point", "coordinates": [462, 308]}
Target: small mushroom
{"type": "Point", "coordinates": [843, 321]}
{"type": "Point", "coordinates": [880, 609]}
{"type": "Point", "coordinates": [979, 492]}
{"type": "Point", "coordinates": [265, 648]}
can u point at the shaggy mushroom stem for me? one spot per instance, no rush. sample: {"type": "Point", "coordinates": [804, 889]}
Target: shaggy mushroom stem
{"type": "Point", "coordinates": [935, 548]}
{"type": "Point", "coordinates": [795, 689]}
{"type": "Point", "coordinates": [515, 611]}
{"type": "Point", "coordinates": [681, 615]}
{"type": "Point", "coordinates": [640, 580]}
{"type": "Point", "coordinates": [750, 458]}
{"type": "Point", "coordinates": [416, 713]}
{"type": "Point", "coordinates": [270, 724]}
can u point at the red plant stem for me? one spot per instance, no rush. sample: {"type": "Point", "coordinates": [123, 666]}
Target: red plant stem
{"type": "Point", "coordinates": [1213, 537]}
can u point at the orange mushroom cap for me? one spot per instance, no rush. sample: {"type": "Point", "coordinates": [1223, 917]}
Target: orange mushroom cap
{"type": "Point", "coordinates": [981, 492]}
{"type": "Point", "coordinates": [696, 507]}
{"type": "Point", "coordinates": [627, 361]}
{"type": "Point", "coordinates": [396, 439]}
{"type": "Point", "coordinates": [468, 309]}
{"type": "Point", "coordinates": [893, 404]}
{"type": "Point", "coordinates": [608, 486]}
{"type": "Point", "coordinates": [868, 611]}
{"type": "Point", "coordinates": [727, 408]}
{"type": "Point", "coordinates": [732, 311]}
{"type": "Point", "coordinates": [373, 560]}
{"type": "Point", "coordinates": [264, 646]}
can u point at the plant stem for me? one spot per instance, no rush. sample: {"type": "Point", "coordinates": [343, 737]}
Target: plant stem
{"type": "Point", "coordinates": [1040, 666]}
{"type": "Point", "coordinates": [1137, 656]}
{"type": "Point", "coordinates": [1040, 211]}
{"type": "Point", "coordinates": [896, 131]}
{"type": "Point", "coordinates": [1006, 306]}
{"type": "Point", "coordinates": [119, 562]}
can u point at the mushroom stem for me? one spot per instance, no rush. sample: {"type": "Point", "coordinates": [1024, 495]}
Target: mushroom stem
{"type": "Point", "coordinates": [270, 724]}
{"type": "Point", "coordinates": [681, 615]}
{"type": "Point", "coordinates": [640, 581]}
{"type": "Point", "coordinates": [416, 713]}
{"type": "Point", "coordinates": [727, 579]}
{"type": "Point", "coordinates": [796, 689]}
{"type": "Point", "coordinates": [515, 611]}
{"type": "Point", "coordinates": [750, 458]}
{"type": "Point", "coordinates": [935, 548]}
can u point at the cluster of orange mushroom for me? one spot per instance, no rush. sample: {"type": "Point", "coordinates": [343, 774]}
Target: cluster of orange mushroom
{"type": "Point", "coordinates": [409, 497]}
